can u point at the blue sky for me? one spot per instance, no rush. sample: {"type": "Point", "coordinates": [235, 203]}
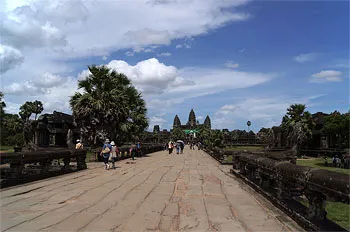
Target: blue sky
{"type": "Point", "coordinates": [232, 60]}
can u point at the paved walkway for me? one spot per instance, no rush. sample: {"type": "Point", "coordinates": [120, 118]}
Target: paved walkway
{"type": "Point", "coordinates": [187, 192]}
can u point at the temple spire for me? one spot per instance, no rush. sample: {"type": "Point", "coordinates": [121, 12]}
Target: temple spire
{"type": "Point", "coordinates": [177, 122]}
{"type": "Point", "coordinates": [207, 122]}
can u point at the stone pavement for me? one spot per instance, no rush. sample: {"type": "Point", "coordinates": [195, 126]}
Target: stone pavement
{"type": "Point", "coordinates": [162, 192]}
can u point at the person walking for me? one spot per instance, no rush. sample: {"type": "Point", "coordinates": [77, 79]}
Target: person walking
{"type": "Point", "coordinates": [114, 152]}
{"type": "Point", "coordinates": [105, 153]}
{"type": "Point", "coordinates": [177, 148]}
{"type": "Point", "coordinates": [170, 147]}
{"type": "Point", "coordinates": [79, 145]}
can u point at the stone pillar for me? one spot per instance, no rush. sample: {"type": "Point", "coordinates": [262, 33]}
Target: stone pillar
{"type": "Point", "coordinates": [317, 205]}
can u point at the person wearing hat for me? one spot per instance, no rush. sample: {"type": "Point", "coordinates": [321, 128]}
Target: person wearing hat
{"type": "Point", "coordinates": [106, 152]}
{"type": "Point", "coordinates": [114, 153]}
{"type": "Point", "coordinates": [79, 145]}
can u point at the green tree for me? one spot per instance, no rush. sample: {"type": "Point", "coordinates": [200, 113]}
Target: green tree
{"type": "Point", "coordinates": [298, 124]}
{"type": "Point", "coordinates": [2, 105]}
{"type": "Point", "coordinates": [177, 134]}
{"type": "Point", "coordinates": [37, 108]}
{"type": "Point", "coordinates": [26, 110]}
{"type": "Point", "coordinates": [110, 105]}
{"type": "Point", "coordinates": [336, 125]}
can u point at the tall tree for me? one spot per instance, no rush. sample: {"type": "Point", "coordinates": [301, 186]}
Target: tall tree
{"type": "Point", "coordinates": [26, 110]}
{"type": "Point", "coordinates": [298, 124]}
{"type": "Point", "coordinates": [336, 125]}
{"type": "Point", "coordinates": [37, 108]}
{"type": "Point", "coordinates": [2, 105]}
{"type": "Point", "coordinates": [108, 104]}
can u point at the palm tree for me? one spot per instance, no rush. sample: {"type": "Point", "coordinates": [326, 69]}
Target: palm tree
{"type": "Point", "coordinates": [26, 110]}
{"type": "Point", "coordinates": [298, 124]}
{"type": "Point", "coordinates": [109, 105]}
{"type": "Point", "coordinates": [37, 107]}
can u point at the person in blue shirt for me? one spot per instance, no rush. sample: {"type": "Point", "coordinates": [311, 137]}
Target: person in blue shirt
{"type": "Point", "coordinates": [106, 152]}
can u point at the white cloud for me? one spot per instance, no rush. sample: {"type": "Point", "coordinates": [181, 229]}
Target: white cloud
{"type": "Point", "coordinates": [266, 112]}
{"type": "Point", "coordinates": [326, 76]}
{"type": "Point", "coordinates": [164, 54]}
{"type": "Point", "coordinates": [184, 45]}
{"type": "Point", "coordinates": [43, 35]}
{"type": "Point", "coordinates": [302, 58]}
{"type": "Point", "coordinates": [231, 64]}
{"type": "Point", "coordinates": [9, 58]}
{"type": "Point", "coordinates": [156, 120]}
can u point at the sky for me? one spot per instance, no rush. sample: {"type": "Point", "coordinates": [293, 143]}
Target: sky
{"type": "Point", "coordinates": [234, 60]}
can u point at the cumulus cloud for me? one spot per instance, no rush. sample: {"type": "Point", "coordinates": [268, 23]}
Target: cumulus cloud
{"type": "Point", "coordinates": [326, 76]}
{"type": "Point", "coordinates": [43, 35]}
{"type": "Point", "coordinates": [265, 112]}
{"type": "Point", "coordinates": [9, 58]}
{"type": "Point", "coordinates": [156, 120]}
{"type": "Point", "coordinates": [302, 58]}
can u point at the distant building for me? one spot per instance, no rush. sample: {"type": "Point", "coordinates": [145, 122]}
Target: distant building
{"type": "Point", "coordinates": [192, 123]}
{"type": "Point", "coordinates": [52, 129]}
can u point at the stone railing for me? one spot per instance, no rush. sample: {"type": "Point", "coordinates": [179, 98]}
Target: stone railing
{"type": "Point", "coordinates": [286, 181]}
{"type": "Point", "coordinates": [44, 158]}
{"type": "Point", "coordinates": [290, 181]}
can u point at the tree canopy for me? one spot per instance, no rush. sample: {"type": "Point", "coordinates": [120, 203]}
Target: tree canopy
{"type": "Point", "coordinates": [108, 106]}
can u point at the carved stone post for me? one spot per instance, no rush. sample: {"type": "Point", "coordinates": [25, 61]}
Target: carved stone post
{"type": "Point", "coordinates": [317, 205]}
{"type": "Point", "coordinates": [66, 162]}
{"type": "Point", "coordinates": [18, 169]}
{"type": "Point", "coordinates": [45, 166]}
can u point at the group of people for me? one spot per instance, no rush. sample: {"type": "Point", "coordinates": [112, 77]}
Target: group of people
{"type": "Point", "coordinates": [179, 146]}
{"type": "Point", "coordinates": [339, 161]}
{"type": "Point", "coordinates": [110, 152]}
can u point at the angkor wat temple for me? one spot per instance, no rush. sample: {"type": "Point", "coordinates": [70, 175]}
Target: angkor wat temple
{"type": "Point", "coordinates": [192, 123]}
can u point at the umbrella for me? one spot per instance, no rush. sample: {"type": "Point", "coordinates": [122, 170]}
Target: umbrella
{"type": "Point", "coordinates": [180, 141]}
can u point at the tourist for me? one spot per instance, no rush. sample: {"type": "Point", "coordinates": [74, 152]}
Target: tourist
{"type": "Point", "coordinates": [132, 151]}
{"type": "Point", "coordinates": [170, 147]}
{"type": "Point", "coordinates": [138, 149]}
{"type": "Point", "coordinates": [114, 152]}
{"type": "Point", "coordinates": [177, 148]}
{"type": "Point", "coordinates": [105, 153]}
{"type": "Point", "coordinates": [79, 145]}
{"type": "Point", "coordinates": [182, 147]}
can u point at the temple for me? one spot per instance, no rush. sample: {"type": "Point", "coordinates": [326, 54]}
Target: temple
{"type": "Point", "coordinates": [52, 129]}
{"type": "Point", "coordinates": [192, 123]}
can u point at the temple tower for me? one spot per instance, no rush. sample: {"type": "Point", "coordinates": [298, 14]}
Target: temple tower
{"type": "Point", "coordinates": [192, 119]}
{"type": "Point", "coordinates": [177, 122]}
{"type": "Point", "coordinates": [207, 122]}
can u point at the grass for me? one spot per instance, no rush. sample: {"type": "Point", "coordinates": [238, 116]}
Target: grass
{"type": "Point", "coordinates": [241, 148]}
{"type": "Point", "coordinates": [339, 213]}
{"type": "Point", "coordinates": [336, 211]}
{"type": "Point", "coordinates": [89, 156]}
{"type": "Point", "coordinates": [6, 149]}
{"type": "Point", "coordinates": [319, 163]}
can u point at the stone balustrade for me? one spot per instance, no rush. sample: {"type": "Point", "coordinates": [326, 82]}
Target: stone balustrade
{"type": "Point", "coordinates": [286, 180]}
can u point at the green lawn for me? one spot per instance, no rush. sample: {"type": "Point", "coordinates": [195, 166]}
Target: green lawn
{"type": "Point", "coordinates": [336, 211]}
{"type": "Point", "coordinates": [241, 148]}
{"type": "Point", "coordinates": [319, 163]}
{"type": "Point", "coordinates": [6, 148]}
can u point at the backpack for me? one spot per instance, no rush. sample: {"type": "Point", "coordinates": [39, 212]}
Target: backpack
{"type": "Point", "coordinates": [106, 150]}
